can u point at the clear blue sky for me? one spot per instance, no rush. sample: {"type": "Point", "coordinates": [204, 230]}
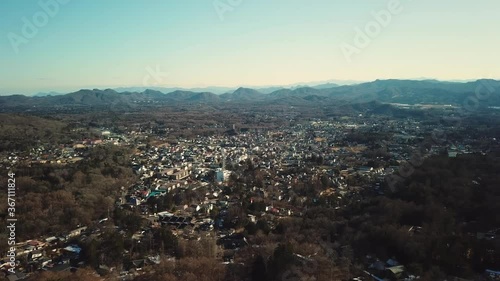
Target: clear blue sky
{"type": "Point", "coordinates": [112, 43]}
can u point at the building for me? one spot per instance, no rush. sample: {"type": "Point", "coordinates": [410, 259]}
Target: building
{"type": "Point", "coordinates": [222, 175]}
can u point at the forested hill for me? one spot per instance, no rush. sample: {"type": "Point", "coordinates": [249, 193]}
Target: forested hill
{"type": "Point", "coordinates": [386, 91]}
{"type": "Point", "coordinates": [439, 220]}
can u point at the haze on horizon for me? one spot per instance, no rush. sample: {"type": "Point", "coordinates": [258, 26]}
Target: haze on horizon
{"type": "Point", "coordinates": [127, 43]}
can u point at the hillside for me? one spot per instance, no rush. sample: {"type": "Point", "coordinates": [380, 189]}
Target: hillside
{"type": "Point", "coordinates": [386, 91]}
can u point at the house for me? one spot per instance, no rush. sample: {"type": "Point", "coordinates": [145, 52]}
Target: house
{"type": "Point", "coordinates": [395, 272]}
{"type": "Point", "coordinates": [252, 218]}
{"type": "Point", "coordinates": [234, 241]}
{"type": "Point", "coordinates": [73, 249]}
{"type": "Point", "coordinates": [154, 259]}
{"type": "Point", "coordinates": [35, 243]}
{"type": "Point", "coordinates": [77, 232]}
{"type": "Point", "coordinates": [44, 261]}
{"type": "Point", "coordinates": [180, 174]}
{"type": "Point", "coordinates": [176, 173]}
{"type": "Point", "coordinates": [51, 240]}
{"type": "Point", "coordinates": [26, 250]}
{"type": "Point", "coordinates": [493, 275]}
{"type": "Point", "coordinates": [364, 169]}
{"type": "Point", "coordinates": [35, 255]}
{"type": "Point", "coordinates": [138, 264]}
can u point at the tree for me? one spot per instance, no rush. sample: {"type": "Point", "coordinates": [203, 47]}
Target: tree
{"type": "Point", "coordinates": [166, 239]}
{"type": "Point", "coordinates": [259, 271]}
{"type": "Point", "coordinates": [82, 274]}
{"type": "Point", "coordinates": [280, 261]}
{"type": "Point", "coordinates": [262, 225]}
{"type": "Point", "coordinates": [112, 246]}
{"type": "Point", "coordinates": [90, 252]}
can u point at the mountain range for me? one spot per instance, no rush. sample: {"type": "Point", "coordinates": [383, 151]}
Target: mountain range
{"type": "Point", "coordinates": [385, 91]}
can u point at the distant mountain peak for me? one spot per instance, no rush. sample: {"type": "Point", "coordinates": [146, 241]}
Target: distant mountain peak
{"type": "Point", "coordinates": [246, 90]}
{"type": "Point", "coordinates": [384, 91]}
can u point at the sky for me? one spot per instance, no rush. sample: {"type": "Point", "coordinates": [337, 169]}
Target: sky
{"type": "Point", "coordinates": [66, 45]}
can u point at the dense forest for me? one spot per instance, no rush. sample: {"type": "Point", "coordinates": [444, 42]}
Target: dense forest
{"type": "Point", "coordinates": [437, 221]}
{"type": "Point", "coordinates": [23, 132]}
{"type": "Point", "coordinates": [53, 199]}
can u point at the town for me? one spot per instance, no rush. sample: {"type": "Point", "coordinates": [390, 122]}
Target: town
{"type": "Point", "coordinates": [230, 196]}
